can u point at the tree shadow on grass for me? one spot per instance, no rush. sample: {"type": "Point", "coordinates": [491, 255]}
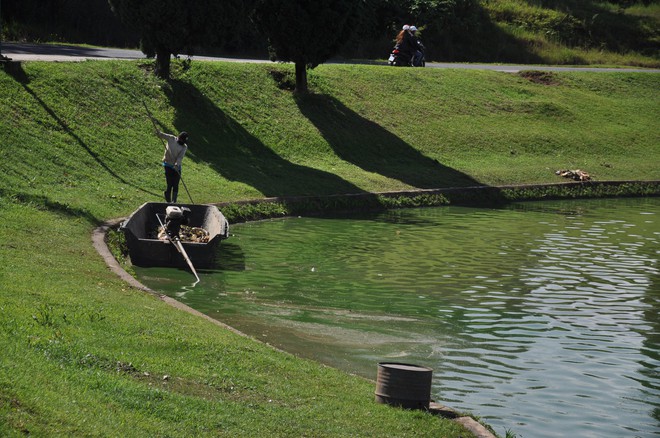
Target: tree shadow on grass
{"type": "Point", "coordinates": [374, 149]}
{"type": "Point", "coordinates": [220, 141]}
{"type": "Point", "coordinates": [15, 70]}
{"type": "Point", "coordinates": [46, 203]}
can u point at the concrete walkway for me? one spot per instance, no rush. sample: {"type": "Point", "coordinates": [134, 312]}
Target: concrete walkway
{"type": "Point", "coordinates": [63, 53]}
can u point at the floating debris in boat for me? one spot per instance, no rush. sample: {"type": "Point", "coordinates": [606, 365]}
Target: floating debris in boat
{"type": "Point", "coordinates": [188, 234]}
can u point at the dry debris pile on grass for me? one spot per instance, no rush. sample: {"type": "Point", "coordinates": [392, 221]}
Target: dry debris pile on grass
{"type": "Point", "coordinates": [577, 175]}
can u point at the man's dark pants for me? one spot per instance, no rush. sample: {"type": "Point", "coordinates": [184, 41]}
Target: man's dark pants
{"type": "Point", "coordinates": [172, 177]}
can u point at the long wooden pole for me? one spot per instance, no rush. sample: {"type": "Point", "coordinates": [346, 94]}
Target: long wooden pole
{"type": "Point", "coordinates": [148, 113]}
{"type": "Point", "coordinates": [179, 247]}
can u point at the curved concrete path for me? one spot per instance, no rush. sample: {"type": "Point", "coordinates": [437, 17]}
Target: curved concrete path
{"type": "Point", "coordinates": [61, 53]}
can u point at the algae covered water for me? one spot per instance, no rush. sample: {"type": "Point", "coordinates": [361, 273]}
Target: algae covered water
{"type": "Point", "coordinates": [540, 317]}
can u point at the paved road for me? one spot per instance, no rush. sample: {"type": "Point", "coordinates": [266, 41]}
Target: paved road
{"type": "Point", "coordinates": [48, 52]}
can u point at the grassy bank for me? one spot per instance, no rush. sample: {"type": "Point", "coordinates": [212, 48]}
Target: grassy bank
{"type": "Point", "coordinates": [80, 135]}
{"type": "Point", "coordinates": [84, 354]}
{"type": "Point", "coordinates": [571, 32]}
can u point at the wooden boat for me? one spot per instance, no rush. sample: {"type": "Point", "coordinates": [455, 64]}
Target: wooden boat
{"type": "Point", "coordinates": [146, 249]}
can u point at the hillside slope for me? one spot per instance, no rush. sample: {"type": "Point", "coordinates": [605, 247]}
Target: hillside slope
{"type": "Point", "coordinates": [79, 135]}
{"type": "Point", "coordinates": [569, 32]}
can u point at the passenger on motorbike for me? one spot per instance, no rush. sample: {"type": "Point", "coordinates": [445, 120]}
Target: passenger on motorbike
{"type": "Point", "coordinates": [406, 44]}
{"type": "Point", "coordinates": [418, 57]}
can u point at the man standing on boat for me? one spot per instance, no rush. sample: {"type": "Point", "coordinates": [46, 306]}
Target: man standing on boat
{"type": "Point", "coordinates": [175, 149]}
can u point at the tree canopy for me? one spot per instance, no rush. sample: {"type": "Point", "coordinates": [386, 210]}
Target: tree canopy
{"type": "Point", "coordinates": [170, 27]}
{"type": "Point", "coordinates": [307, 32]}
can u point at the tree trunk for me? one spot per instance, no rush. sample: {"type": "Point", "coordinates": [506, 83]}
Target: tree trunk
{"type": "Point", "coordinates": [301, 77]}
{"type": "Point", "coordinates": [162, 63]}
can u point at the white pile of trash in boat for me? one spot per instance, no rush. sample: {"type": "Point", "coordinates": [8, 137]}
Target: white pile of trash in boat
{"type": "Point", "coordinates": [187, 234]}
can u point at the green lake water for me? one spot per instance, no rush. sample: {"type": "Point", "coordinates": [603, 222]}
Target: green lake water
{"type": "Point", "coordinates": [539, 317]}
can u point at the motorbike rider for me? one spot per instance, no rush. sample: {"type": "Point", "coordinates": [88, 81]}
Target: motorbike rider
{"type": "Point", "coordinates": [406, 43]}
{"type": "Point", "coordinates": [418, 55]}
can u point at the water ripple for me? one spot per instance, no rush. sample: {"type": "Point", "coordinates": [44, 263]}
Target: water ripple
{"type": "Point", "coordinates": [540, 317]}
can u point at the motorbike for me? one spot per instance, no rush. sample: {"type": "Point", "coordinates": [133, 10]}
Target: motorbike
{"type": "Point", "coordinates": [401, 59]}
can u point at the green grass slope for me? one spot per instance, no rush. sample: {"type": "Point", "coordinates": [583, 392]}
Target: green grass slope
{"type": "Point", "coordinates": [567, 32]}
{"type": "Point", "coordinates": [84, 354]}
{"type": "Point", "coordinates": [78, 134]}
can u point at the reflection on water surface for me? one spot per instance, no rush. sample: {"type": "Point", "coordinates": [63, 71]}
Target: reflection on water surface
{"type": "Point", "coordinates": [539, 317]}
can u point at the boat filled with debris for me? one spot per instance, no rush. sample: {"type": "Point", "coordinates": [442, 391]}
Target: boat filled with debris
{"type": "Point", "coordinates": [154, 231]}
